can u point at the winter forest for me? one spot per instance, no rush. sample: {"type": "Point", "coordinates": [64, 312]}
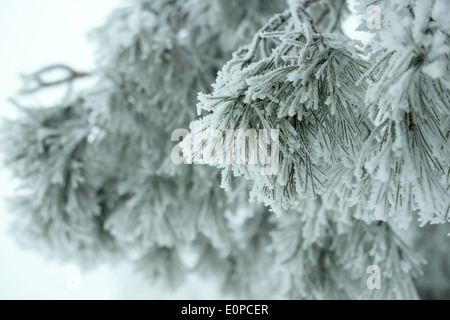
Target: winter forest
{"type": "Point", "coordinates": [255, 143]}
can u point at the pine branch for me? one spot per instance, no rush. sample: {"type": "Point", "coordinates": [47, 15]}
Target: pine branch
{"type": "Point", "coordinates": [36, 81]}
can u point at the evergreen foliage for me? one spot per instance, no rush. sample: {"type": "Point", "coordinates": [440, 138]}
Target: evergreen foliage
{"type": "Point", "coordinates": [363, 164]}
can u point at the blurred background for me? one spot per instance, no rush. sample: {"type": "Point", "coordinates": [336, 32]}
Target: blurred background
{"type": "Point", "coordinates": [35, 34]}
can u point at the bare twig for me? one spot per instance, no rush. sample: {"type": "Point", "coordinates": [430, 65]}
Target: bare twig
{"type": "Point", "coordinates": [322, 16]}
{"type": "Point", "coordinates": [309, 2]}
{"type": "Point", "coordinates": [36, 81]}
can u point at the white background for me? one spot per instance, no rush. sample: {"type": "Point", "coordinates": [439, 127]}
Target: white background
{"type": "Point", "coordinates": [33, 34]}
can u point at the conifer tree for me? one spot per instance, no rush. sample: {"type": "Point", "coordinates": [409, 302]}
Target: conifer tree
{"type": "Point", "coordinates": [361, 161]}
